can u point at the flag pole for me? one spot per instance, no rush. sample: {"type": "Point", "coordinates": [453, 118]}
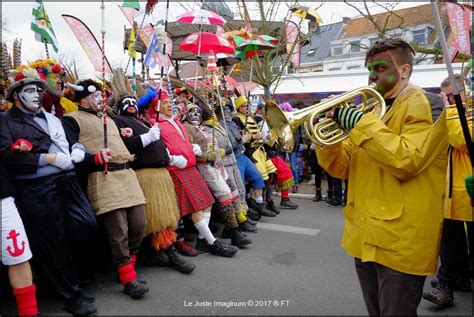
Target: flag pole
{"type": "Point", "coordinates": [46, 49]}
{"type": "Point", "coordinates": [457, 96]}
{"type": "Point", "coordinates": [163, 61]}
{"type": "Point", "coordinates": [104, 97]}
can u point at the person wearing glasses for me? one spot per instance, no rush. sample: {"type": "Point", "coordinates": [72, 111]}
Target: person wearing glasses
{"type": "Point", "coordinates": [457, 252]}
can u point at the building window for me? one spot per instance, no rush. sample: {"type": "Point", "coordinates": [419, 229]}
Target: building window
{"type": "Point", "coordinates": [334, 68]}
{"type": "Point", "coordinates": [419, 37]}
{"type": "Point", "coordinates": [373, 40]}
{"type": "Point", "coordinates": [355, 48]}
{"type": "Point", "coordinates": [337, 50]}
{"type": "Point", "coordinates": [311, 52]}
{"type": "Point", "coordinates": [353, 67]}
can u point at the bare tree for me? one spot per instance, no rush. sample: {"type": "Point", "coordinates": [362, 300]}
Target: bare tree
{"type": "Point", "coordinates": [263, 65]}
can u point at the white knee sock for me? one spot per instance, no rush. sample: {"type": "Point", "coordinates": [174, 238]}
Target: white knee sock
{"type": "Point", "coordinates": [204, 231]}
{"type": "Point", "coordinates": [206, 216]}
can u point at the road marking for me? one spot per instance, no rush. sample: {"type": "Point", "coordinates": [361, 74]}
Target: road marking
{"type": "Point", "coordinates": [283, 228]}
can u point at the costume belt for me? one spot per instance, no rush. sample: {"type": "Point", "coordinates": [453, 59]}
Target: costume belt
{"type": "Point", "coordinates": [118, 166]}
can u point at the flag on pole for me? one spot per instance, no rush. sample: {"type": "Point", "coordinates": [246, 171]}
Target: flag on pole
{"type": "Point", "coordinates": [151, 52]}
{"type": "Point", "coordinates": [134, 4]}
{"type": "Point", "coordinates": [131, 43]}
{"type": "Point", "coordinates": [42, 27]}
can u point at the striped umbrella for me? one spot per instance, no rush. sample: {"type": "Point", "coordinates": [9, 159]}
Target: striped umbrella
{"type": "Point", "coordinates": [201, 17]}
{"type": "Point", "coordinates": [307, 13]}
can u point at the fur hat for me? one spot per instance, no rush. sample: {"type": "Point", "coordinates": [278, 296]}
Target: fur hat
{"type": "Point", "coordinates": [239, 102]}
{"type": "Point", "coordinates": [286, 107]}
{"type": "Point", "coordinates": [22, 76]}
{"type": "Point", "coordinates": [84, 88]}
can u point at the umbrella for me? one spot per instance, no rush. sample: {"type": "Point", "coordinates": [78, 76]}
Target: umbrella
{"type": "Point", "coordinates": [254, 47]}
{"type": "Point", "coordinates": [224, 60]}
{"type": "Point", "coordinates": [204, 42]}
{"type": "Point", "coordinates": [201, 17]}
{"type": "Point", "coordinates": [307, 13]}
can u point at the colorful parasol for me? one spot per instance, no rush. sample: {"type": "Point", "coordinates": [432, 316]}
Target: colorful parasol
{"type": "Point", "coordinates": [201, 17]}
{"type": "Point", "coordinates": [307, 13]}
{"type": "Point", "coordinates": [204, 42]}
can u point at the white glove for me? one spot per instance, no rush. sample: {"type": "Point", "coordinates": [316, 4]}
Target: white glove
{"type": "Point", "coordinates": [63, 161]}
{"type": "Point", "coordinates": [78, 153]}
{"type": "Point", "coordinates": [151, 136]}
{"type": "Point", "coordinates": [178, 160]}
{"type": "Point", "coordinates": [197, 149]}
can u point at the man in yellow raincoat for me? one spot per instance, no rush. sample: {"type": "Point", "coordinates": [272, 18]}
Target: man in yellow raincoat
{"type": "Point", "coordinates": [454, 272]}
{"type": "Point", "coordinates": [396, 169]}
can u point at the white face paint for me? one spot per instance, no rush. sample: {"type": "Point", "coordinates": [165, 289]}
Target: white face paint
{"type": "Point", "coordinates": [194, 116]}
{"type": "Point", "coordinates": [30, 97]}
{"type": "Point", "coordinates": [96, 100]}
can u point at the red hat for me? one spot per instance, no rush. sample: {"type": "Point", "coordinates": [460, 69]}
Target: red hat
{"type": "Point", "coordinates": [164, 95]}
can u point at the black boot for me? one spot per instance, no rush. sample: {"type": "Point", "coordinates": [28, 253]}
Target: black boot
{"type": "Point", "coordinates": [318, 196]}
{"type": "Point", "coordinates": [251, 222]}
{"type": "Point", "coordinates": [135, 289]}
{"type": "Point", "coordinates": [264, 211]}
{"type": "Point", "coordinates": [80, 306]}
{"type": "Point", "coordinates": [157, 258]}
{"type": "Point", "coordinates": [179, 262]}
{"type": "Point", "coordinates": [253, 215]}
{"type": "Point", "coordinates": [288, 204]}
{"type": "Point", "coordinates": [246, 226]}
{"type": "Point", "coordinates": [271, 206]}
{"type": "Point", "coordinates": [239, 239]}
{"type": "Point", "coordinates": [222, 249]}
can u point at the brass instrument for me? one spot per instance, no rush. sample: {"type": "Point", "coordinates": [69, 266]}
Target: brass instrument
{"type": "Point", "coordinates": [321, 130]}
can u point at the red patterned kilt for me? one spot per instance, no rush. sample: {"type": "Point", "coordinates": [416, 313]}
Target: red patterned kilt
{"type": "Point", "coordinates": [191, 190]}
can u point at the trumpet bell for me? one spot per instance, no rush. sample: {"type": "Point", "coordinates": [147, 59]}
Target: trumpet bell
{"type": "Point", "coordinates": [319, 129]}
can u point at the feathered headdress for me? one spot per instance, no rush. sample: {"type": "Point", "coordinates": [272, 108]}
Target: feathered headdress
{"type": "Point", "coordinates": [120, 85]}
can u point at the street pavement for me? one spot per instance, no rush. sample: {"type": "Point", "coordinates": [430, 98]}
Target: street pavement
{"type": "Point", "coordinates": [295, 266]}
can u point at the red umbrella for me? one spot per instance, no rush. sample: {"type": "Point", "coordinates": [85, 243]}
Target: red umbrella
{"type": "Point", "coordinates": [201, 17]}
{"type": "Point", "coordinates": [204, 42]}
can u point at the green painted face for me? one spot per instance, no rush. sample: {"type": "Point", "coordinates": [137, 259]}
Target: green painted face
{"type": "Point", "coordinates": [383, 72]}
{"type": "Point", "coordinates": [54, 82]}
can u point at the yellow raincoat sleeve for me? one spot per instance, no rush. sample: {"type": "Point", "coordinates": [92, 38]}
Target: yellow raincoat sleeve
{"type": "Point", "coordinates": [68, 105]}
{"type": "Point", "coordinates": [409, 151]}
{"type": "Point", "coordinates": [455, 135]}
{"type": "Point", "coordinates": [336, 159]}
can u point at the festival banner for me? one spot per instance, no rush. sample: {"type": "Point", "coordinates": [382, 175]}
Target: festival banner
{"type": "Point", "coordinates": [292, 33]}
{"type": "Point", "coordinates": [460, 24]}
{"type": "Point", "coordinates": [88, 42]}
{"type": "Point", "coordinates": [146, 32]}
{"type": "Point", "coordinates": [42, 27]}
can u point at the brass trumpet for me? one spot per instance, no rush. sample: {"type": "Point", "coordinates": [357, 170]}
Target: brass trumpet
{"type": "Point", "coordinates": [321, 130]}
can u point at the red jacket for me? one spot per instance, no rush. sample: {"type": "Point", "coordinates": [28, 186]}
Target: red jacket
{"type": "Point", "coordinates": [175, 143]}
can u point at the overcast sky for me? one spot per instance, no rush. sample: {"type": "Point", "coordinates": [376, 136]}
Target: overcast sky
{"type": "Point", "coordinates": [17, 19]}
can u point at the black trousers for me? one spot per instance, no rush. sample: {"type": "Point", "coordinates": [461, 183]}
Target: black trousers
{"type": "Point", "coordinates": [60, 225]}
{"type": "Point", "coordinates": [456, 254]}
{"type": "Point", "coordinates": [389, 292]}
